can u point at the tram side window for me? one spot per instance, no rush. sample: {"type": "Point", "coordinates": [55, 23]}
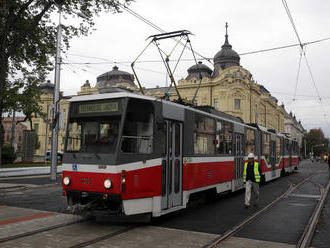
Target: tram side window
{"type": "Point", "coordinates": [295, 148]}
{"type": "Point", "coordinates": [250, 141]}
{"type": "Point", "coordinates": [204, 135]}
{"type": "Point", "coordinates": [74, 137]}
{"type": "Point", "coordinates": [224, 138]}
{"type": "Point", "coordinates": [286, 147]}
{"type": "Point", "coordinates": [278, 149]}
{"type": "Point", "coordinates": [266, 146]}
{"type": "Point", "coordinates": [138, 128]}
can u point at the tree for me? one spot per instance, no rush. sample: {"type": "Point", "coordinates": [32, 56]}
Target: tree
{"type": "Point", "coordinates": [316, 142]}
{"type": "Point", "coordinates": [28, 38]}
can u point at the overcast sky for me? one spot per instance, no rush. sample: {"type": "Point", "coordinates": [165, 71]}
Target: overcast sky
{"type": "Point", "coordinates": [253, 25]}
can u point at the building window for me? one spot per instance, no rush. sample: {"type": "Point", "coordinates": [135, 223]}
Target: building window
{"type": "Point", "coordinates": [237, 103]}
{"type": "Point", "coordinates": [36, 127]}
{"type": "Point", "coordinates": [216, 103]}
{"type": "Point", "coordinates": [256, 113]}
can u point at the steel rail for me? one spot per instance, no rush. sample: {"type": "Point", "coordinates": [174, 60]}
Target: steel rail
{"type": "Point", "coordinates": [26, 234]}
{"type": "Point", "coordinates": [308, 233]}
{"type": "Point", "coordinates": [238, 227]}
{"type": "Point", "coordinates": [104, 237]}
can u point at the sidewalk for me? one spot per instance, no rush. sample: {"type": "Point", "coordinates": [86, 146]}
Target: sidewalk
{"type": "Point", "coordinates": [27, 171]}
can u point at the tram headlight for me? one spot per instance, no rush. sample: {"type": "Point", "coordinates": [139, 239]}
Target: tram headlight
{"type": "Point", "coordinates": [66, 181]}
{"type": "Point", "coordinates": [107, 183]}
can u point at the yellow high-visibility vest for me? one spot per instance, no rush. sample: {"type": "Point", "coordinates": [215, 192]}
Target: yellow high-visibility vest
{"type": "Point", "coordinates": [256, 172]}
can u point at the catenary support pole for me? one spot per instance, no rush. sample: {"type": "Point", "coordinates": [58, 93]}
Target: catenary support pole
{"type": "Point", "coordinates": [53, 168]}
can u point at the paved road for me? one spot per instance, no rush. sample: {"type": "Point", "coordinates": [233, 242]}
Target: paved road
{"type": "Point", "coordinates": [284, 223]}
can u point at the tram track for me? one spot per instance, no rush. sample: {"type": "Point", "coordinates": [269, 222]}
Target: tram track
{"type": "Point", "coordinates": [41, 230]}
{"type": "Point", "coordinates": [308, 233]}
{"type": "Point", "coordinates": [104, 237]}
{"type": "Point", "coordinates": [309, 230]}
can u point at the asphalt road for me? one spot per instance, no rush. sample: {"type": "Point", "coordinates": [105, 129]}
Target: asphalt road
{"type": "Point", "coordinates": [282, 223]}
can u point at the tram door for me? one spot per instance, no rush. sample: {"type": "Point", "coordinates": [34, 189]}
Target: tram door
{"type": "Point", "coordinates": [273, 154]}
{"type": "Point", "coordinates": [172, 165]}
{"type": "Point", "coordinates": [238, 160]}
{"type": "Point", "coordinates": [290, 155]}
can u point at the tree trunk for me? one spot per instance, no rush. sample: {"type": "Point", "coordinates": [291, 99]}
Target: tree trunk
{"type": "Point", "coordinates": [13, 132]}
{"type": "Point", "coordinates": [3, 79]}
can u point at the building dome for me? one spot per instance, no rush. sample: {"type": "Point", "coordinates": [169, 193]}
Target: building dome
{"type": "Point", "coordinates": [113, 78]}
{"type": "Point", "coordinates": [199, 70]}
{"type": "Point", "coordinates": [226, 57]}
{"type": "Point", "coordinates": [47, 88]}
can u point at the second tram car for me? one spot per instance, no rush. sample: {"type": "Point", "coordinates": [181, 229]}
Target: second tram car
{"type": "Point", "coordinates": [130, 154]}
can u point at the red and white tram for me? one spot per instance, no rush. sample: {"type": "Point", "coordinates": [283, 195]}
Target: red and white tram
{"type": "Point", "coordinates": [131, 154]}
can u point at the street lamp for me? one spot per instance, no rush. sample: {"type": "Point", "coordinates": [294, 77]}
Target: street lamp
{"type": "Point", "coordinates": [53, 168]}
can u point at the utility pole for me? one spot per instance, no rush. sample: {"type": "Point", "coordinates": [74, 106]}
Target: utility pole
{"type": "Point", "coordinates": [53, 168]}
{"type": "Point", "coordinates": [47, 126]}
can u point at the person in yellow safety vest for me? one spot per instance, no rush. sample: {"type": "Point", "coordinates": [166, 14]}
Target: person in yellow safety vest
{"type": "Point", "coordinates": [325, 158]}
{"type": "Point", "coordinates": [251, 178]}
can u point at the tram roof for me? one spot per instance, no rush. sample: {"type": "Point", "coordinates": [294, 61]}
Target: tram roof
{"type": "Point", "coordinates": [137, 96]}
{"type": "Point", "coordinates": [110, 96]}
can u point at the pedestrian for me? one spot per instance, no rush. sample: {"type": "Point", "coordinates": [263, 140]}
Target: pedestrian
{"type": "Point", "coordinates": [251, 178]}
{"type": "Point", "coordinates": [329, 161]}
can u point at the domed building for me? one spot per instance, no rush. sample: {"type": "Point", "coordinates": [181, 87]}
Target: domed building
{"type": "Point", "coordinates": [115, 80]}
{"type": "Point", "coordinates": [229, 88]}
{"type": "Point", "coordinates": [226, 57]}
{"type": "Point", "coordinates": [111, 81]}
{"type": "Point", "coordinates": [199, 71]}
{"type": "Point", "coordinates": [47, 88]}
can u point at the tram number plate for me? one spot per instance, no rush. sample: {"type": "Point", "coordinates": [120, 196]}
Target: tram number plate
{"type": "Point", "coordinates": [86, 181]}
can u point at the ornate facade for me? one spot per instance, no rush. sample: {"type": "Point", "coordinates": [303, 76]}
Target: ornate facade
{"type": "Point", "coordinates": [43, 126]}
{"type": "Point", "coordinates": [294, 128]}
{"type": "Point", "coordinates": [230, 89]}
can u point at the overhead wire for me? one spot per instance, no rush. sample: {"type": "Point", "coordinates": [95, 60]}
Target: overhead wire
{"type": "Point", "coordinates": [286, 7]}
{"type": "Point", "coordinates": [171, 60]}
{"type": "Point", "coordinates": [153, 25]}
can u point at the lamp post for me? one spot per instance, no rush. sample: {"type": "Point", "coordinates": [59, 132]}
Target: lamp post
{"type": "Point", "coordinates": [53, 168]}
{"type": "Point", "coordinates": [56, 106]}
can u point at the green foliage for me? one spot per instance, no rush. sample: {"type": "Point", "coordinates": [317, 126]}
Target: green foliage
{"type": "Point", "coordinates": [8, 154]}
{"type": "Point", "coordinates": [316, 142]}
{"type": "Point", "coordinates": [28, 44]}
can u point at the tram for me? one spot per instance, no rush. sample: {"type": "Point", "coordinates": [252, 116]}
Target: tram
{"type": "Point", "coordinates": [130, 154]}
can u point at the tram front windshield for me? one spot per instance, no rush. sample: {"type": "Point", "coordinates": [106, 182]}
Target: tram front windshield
{"type": "Point", "coordinates": [106, 134]}
{"type": "Point", "coordinates": [93, 135]}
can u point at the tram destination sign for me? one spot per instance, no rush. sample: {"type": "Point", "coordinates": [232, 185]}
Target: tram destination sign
{"type": "Point", "coordinates": [98, 107]}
